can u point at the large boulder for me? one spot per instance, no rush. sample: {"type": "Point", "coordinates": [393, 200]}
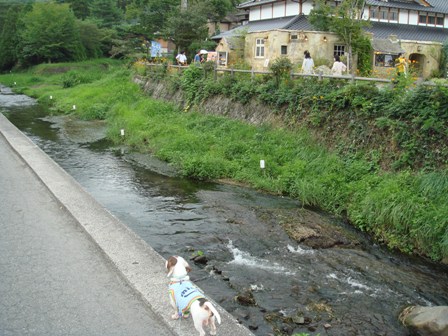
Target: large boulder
{"type": "Point", "coordinates": [426, 321]}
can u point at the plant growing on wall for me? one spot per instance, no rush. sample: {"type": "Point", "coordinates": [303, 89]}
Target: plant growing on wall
{"type": "Point", "coordinates": [238, 44]}
{"type": "Point", "coordinates": [444, 61]}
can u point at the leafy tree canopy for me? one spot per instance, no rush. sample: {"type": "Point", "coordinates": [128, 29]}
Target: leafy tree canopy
{"type": "Point", "coordinates": [63, 30]}
{"type": "Point", "coordinates": [186, 25]}
{"type": "Point", "coordinates": [9, 39]}
{"type": "Point", "coordinates": [50, 34]}
{"type": "Point", "coordinates": [106, 13]}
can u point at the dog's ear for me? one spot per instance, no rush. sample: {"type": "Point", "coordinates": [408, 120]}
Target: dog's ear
{"type": "Point", "coordinates": [170, 263]}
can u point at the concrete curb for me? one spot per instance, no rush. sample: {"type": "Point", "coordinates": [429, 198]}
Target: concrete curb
{"type": "Point", "coordinates": [136, 261]}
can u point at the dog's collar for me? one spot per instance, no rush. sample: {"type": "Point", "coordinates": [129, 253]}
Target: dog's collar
{"type": "Point", "coordinates": [178, 278]}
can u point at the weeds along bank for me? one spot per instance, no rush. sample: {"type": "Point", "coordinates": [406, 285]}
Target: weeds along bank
{"type": "Point", "coordinates": [371, 155]}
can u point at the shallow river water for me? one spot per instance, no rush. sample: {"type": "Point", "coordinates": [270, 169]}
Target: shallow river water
{"type": "Point", "coordinates": [266, 280]}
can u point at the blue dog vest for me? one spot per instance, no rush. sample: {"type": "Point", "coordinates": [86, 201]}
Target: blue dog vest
{"type": "Point", "coordinates": [184, 293]}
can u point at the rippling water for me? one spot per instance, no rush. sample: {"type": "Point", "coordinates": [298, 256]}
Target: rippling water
{"type": "Point", "coordinates": [337, 291]}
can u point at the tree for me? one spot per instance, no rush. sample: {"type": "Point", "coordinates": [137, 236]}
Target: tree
{"type": "Point", "coordinates": [344, 20]}
{"type": "Point", "coordinates": [151, 15]}
{"type": "Point", "coordinates": [50, 34]}
{"type": "Point", "coordinates": [321, 16]}
{"type": "Point", "coordinates": [9, 39]}
{"type": "Point", "coordinates": [187, 27]}
{"type": "Point", "coordinates": [106, 13]}
{"type": "Point", "coordinates": [92, 38]}
{"type": "Point", "coordinates": [80, 8]}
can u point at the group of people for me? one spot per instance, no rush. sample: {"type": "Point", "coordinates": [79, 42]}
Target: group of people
{"type": "Point", "coordinates": [308, 65]}
{"type": "Point", "coordinates": [200, 57]}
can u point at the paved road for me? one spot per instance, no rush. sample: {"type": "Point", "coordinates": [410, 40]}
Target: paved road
{"type": "Point", "coordinates": [54, 280]}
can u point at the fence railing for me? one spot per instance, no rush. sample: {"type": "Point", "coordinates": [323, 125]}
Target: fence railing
{"type": "Point", "coordinates": [252, 72]}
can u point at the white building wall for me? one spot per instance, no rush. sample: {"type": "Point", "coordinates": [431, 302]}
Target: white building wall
{"type": "Point", "coordinates": [266, 12]}
{"type": "Point", "coordinates": [292, 8]}
{"type": "Point", "coordinates": [403, 17]}
{"type": "Point", "coordinates": [413, 18]}
{"type": "Point", "coordinates": [255, 14]}
{"type": "Point", "coordinates": [279, 9]}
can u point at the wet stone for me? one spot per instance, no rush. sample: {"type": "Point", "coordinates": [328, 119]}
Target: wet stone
{"type": "Point", "coordinates": [202, 259]}
{"type": "Point", "coordinates": [298, 319]}
{"type": "Point", "coordinates": [246, 299]}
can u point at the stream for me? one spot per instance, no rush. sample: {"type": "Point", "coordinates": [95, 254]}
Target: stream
{"type": "Point", "coordinates": [249, 264]}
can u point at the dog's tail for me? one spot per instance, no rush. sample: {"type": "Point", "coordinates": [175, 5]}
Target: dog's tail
{"type": "Point", "coordinates": [214, 311]}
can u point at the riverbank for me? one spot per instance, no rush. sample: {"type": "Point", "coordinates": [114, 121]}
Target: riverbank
{"type": "Point", "coordinates": [406, 211]}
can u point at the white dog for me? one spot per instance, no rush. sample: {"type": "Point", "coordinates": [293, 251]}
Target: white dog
{"type": "Point", "coordinates": [186, 298]}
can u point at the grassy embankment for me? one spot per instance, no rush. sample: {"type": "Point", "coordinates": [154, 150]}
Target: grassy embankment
{"type": "Point", "coordinates": [405, 208]}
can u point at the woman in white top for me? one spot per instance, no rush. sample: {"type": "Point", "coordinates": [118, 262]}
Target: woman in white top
{"type": "Point", "coordinates": [338, 67]}
{"type": "Point", "coordinates": [308, 64]}
{"type": "Point", "coordinates": [181, 58]}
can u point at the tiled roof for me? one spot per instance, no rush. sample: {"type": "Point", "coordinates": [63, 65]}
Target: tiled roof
{"type": "Point", "coordinates": [437, 6]}
{"type": "Point", "coordinates": [386, 46]}
{"type": "Point", "coordinates": [252, 3]}
{"type": "Point", "coordinates": [299, 23]}
{"type": "Point", "coordinates": [259, 25]}
{"type": "Point", "coordinates": [408, 32]}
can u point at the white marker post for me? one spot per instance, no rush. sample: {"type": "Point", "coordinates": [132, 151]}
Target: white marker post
{"type": "Point", "coordinates": [74, 107]}
{"type": "Point", "coordinates": [262, 164]}
{"type": "Point", "coordinates": [51, 97]}
{"type": "Point", "coordinates": [122, 132]}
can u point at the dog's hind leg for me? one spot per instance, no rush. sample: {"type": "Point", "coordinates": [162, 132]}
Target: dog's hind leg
{"type": "Point", "coordinates": [212, 325]}
{"type": "Point", "coordinates": [199, 327]}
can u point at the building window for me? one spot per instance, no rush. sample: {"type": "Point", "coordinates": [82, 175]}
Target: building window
{"type": "Point", "coordinates": [384, 14]}
{"type": "Point", "coordinates": [259, 48]}
{"type": "Point", "coordinates": [373, 13]}
{"type": "Point", "coordinates": [431, 19]}
{"type": "Point", "coordinates": [284, 50]}
{"type": "Point", "coordinates": [385, 60]}
{"type": "Point", "coordinates": [338, 50]}
{"type": "Point", "coordinates": [393, 15]}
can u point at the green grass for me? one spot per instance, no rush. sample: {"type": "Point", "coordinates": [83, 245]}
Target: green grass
{"type": "Point", "coordinates": [405, 210]}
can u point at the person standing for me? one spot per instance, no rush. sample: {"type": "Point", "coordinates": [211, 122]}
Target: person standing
{"type": "Point", "coordinates": [308, 64]}
{"type": "Point", "coordinates": [338, 67]}
{"type": "Point", "coordinates": [198, 57]}
{"type": "Point", "coordinates": [181, 58]}
{"type": "Point", "coordinates": [401, 65]}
